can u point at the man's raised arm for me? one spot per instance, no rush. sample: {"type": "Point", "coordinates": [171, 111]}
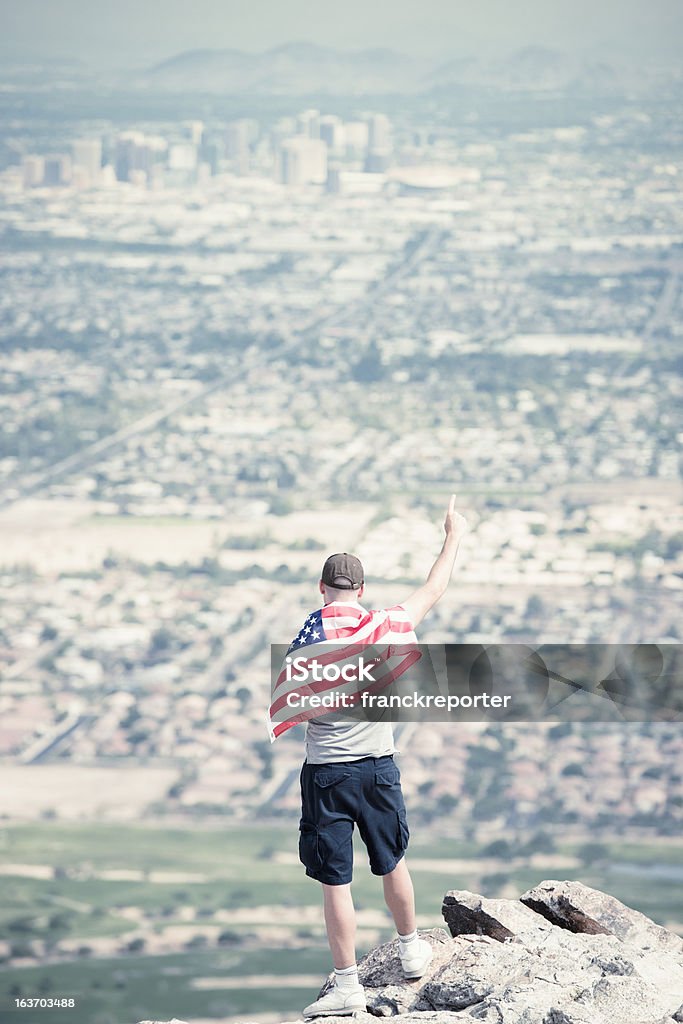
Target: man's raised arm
{"type": "Point", "coordinates": [420, 602]}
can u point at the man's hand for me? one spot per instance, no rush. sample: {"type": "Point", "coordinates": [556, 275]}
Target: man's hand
{"type": "Point", "coordinates": [454, 522]}
{"type": "Point", "coordinates": [420, 602]}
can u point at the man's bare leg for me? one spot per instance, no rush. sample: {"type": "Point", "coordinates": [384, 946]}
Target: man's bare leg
{"type": "Point", "coordinates": [346, 995]}
{"type": "Point", "coordinates": [415, 953]}
{"type": "Point", "coordinates": [400, 898]}
{"type": "Point", "coordinates": [340, 922]}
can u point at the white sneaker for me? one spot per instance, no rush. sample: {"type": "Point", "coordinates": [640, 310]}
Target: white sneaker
{"type": "Point", "coordinates": [336, 1002]}
{"type": "Point", "coordinates": [418, 959]}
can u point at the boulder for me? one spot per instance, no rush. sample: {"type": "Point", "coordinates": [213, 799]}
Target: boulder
{"type": "Point", "coordinates": [564, 977]}
{"type": "Point", "coordinates": [466, 913]}
{"type": "Point", "coordinates": [579, 908]}
{"type": "Point", "coordinates": [507, 963]}
{"type": "Point", "coordinates": [547, 899]}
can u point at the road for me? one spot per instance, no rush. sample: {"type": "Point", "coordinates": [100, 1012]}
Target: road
{"type": "Point", "coordinates": [41, 749]}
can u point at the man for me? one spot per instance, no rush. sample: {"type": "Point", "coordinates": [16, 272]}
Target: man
{"type": "Point", "coordinates": [349, 776]}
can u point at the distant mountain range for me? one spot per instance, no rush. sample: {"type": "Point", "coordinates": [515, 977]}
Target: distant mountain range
{"type": "Point", "coordinates": [293, 69]}
{"type": "Point", "coordinates": [297, 69]}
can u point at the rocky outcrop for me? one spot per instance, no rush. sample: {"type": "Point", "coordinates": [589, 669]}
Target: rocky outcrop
{"type": "Point", "coordinates": [581, 909]}
{"type": "Point", "coordinates": [466, 913]}
{"type": "Point", "coordinates": [511, 962]}
{"type": "Point", "coordinates": [562, 954]}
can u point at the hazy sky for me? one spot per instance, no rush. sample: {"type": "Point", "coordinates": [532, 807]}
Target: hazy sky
{"type": "Point", "coordinates": [123, 33]}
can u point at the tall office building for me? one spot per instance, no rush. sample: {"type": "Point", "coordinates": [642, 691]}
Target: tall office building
{"type": "Point", "coordinates": [57, 169]}
{"type": "Point", "coordinates": [181, 168]}
{"type": "Point", "coordinates": [87, 156]}
{"type": "Point", "coordinates": [303, 161]}
{"type": "Point", "coordinates": [33, 169]}
{"type": "Point", "coordinates": [211, 156]}
{"type": "Point", "coordinates": [196, 132]}
{"type": "Point", "coordinates": [356, 139]}
{"type": "Point", "coordinates": [379, 143]}
{"type": "Point", "coordinates": [237, 139]}
{"type": "Point", "coordinates": [332, 132]}
{"type": "Point", "coordinates": [129, 154]}
{"type": "Point", "coordinates": [379, 132]}
{"type": "Point", "coordinates": [333, 185]}
{"type": "Point", "coordinates": [182, 156]}
{"type": "Point", "coordinates": [308, 123]}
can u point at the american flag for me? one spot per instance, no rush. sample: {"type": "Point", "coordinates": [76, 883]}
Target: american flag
{"type": "Point", "coordinates": [337, 635]}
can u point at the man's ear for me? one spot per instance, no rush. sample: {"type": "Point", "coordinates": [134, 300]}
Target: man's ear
{"type": "Point", "coordinates": [361, 591]}
{"type": "Point", "coordinates": [321, 587]}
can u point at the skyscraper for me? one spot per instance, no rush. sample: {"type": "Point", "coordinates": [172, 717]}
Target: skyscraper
{"type": "Point", "coordinates": [33, 168]}
{"type": "Point", "coordinates": [57, 169]}
{"type": "Point", "coordinates": [87, 155]}
{"type": "Point", "coordinates": [129, 154]}
{"type": "Point", "coordinates": [332, 132]}
{"type": "Point", "coordinates": [379, 143]}
{"type": "Point", "coordinates": [308, 123]}
{"type": "Point", "coordinates": [379, 132]}
{"type": "Point", "coordinates": [237, 137]}
{"type": "Point", "coordinates": [356, 139]}
{"type": "Point", "coordinates": [196, 132]}
{"type": "Point", "coordinates": [303, 161]}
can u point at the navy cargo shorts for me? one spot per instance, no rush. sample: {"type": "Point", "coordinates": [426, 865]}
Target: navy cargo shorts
{"type": "Point", "coordinates": [337, 795]}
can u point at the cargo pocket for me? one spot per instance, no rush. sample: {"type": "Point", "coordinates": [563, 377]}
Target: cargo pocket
{"type": "Point", "coordinates": [336, 851]}
{"type": "Point", "coordinates": [330, 778]}
{"type": "Point", "coordinates": [309, 847]}
{"type": "Point", "coordinates": [403, 833]}
{"type": "Point", "coordinates": [387, 776]}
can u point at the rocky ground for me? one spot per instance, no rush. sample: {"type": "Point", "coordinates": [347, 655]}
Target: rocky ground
{"type": "Point", "coordinates": [562, 954]}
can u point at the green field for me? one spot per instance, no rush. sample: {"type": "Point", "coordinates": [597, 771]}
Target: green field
{"type": "Point", "coordinates": [238, 871]}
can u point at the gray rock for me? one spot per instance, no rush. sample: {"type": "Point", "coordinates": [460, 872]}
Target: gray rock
{"type": "Point", "coordinates": [382, 966]}
{"type": "Point", "coordinates": [358, 1017]}
{"type": "Point", "coordinates": [466, 913]}
{"type": "Point", "coordinates": [470, 975]}
{"type": "Point", "coordinates": [550, 901]}
{"type": "Point", "coordinates": [579, 908]}
{"type": "Point", "coordinates": [428, 1017]}
{"type": "Point", "coordinates": [387, 992]}
{"type": "Point", "coordinates": [521, 969]}
{"type": "Point", "coordinates": [559, 975]}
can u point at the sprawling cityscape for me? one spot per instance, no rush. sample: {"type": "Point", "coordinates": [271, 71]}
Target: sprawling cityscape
{"type": "Point", "coordinates": [233, 344]}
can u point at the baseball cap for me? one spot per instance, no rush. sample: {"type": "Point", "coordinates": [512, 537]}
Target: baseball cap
{"type": "Point", "coordinates": [343, 572]}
